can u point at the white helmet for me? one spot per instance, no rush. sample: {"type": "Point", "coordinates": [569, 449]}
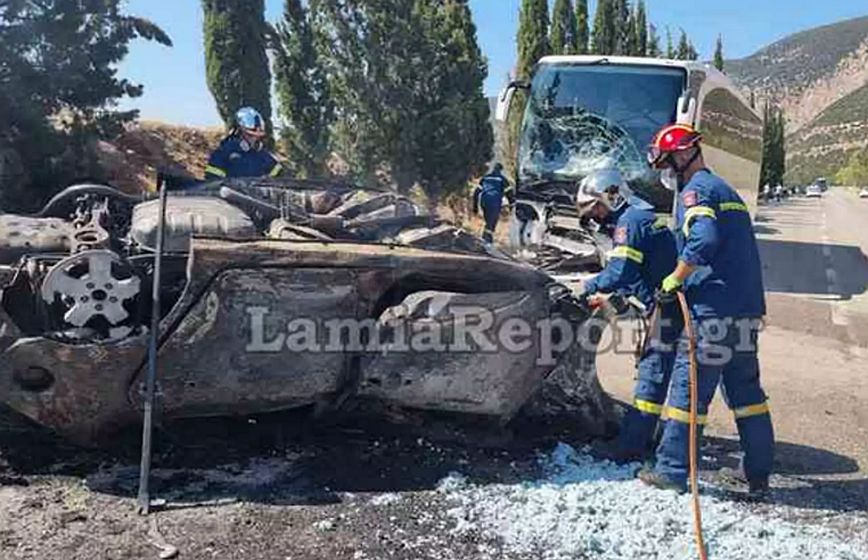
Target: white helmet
{"type": "Point", "coordinates": [250, 121]}
{"type": "Point", "coordinates": [606, 186]}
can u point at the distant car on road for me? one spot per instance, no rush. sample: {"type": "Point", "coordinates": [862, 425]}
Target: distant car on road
{"type": "Point", "coordinates": [863, 193]}
{"type": "Point", "coordinates": [814, 191]}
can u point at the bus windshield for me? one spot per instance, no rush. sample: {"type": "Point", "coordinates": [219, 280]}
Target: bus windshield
{"type": "Point", "coordinates": [585, 117]}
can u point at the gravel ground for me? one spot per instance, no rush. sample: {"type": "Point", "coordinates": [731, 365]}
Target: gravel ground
{"type": "Point", "coordinates": [583, 508]}
{"type": "Point", "coordinates": [248, 490]}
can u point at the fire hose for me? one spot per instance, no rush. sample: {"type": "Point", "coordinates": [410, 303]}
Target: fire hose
{"type": "Point", "coordinates": [690, 332]}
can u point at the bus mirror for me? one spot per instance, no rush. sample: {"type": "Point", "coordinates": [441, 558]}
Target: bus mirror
{"type": "Point", "coordinates": [504, 100]}
{"type": "Point", "coordinates": [686, 110]}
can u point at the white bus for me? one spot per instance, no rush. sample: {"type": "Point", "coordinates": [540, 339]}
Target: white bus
{"type": "Point", "coordinates": [590, 112]}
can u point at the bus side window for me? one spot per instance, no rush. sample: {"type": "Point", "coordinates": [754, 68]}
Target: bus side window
{"type": "Point", "coordinates": [729, 125]}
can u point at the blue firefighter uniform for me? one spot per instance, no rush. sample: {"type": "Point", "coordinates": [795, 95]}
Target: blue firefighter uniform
{"type": "Point", "coordinates": [235, 157]}
{"type": "Point", "coordinates": [726, 298]}
{"type": "Point", "coordinates": [489, 195]}
{"type": "Point", "coordinates": [644, 253]}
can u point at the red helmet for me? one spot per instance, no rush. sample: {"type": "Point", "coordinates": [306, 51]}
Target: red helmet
{"type": "Point", "coordinates": [672, 138]}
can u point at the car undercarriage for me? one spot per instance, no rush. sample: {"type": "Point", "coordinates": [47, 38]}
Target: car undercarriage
{"type": "Point", "coordinates": [278, 294]}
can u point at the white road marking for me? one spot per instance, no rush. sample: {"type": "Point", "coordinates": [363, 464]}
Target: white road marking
{"type": "Point", "coordinates": [838, 314]}
{"type": "Point", "coordinates": [840, 318]}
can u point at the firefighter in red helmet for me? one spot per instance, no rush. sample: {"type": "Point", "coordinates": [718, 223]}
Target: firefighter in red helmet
{"type": "Point", "coordinates": [720, 272]}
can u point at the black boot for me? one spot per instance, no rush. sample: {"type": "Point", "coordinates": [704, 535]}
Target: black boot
{"type": "Point", "coordinates": [759, 490]}
{"type": "Point", "coordinates": [652, 478]}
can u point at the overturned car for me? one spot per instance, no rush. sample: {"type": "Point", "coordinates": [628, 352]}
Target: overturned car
{"type": "Point", "coordinates": [278, 294]}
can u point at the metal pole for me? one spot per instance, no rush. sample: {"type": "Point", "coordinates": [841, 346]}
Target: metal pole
{"type": "Point", "coordinates": [144, 499]}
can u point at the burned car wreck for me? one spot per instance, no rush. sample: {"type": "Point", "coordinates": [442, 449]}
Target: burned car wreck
{"type": "Point", "coordinates": [277, 294]}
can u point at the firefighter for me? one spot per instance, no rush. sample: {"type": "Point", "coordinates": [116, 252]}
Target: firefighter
{"type": "Point", "coordinates": [644, 253]}
{"type": "Point", "coordinates": [243, 153]}
{"type": "Point", "coordinates": [489, 196]}
{"type": "Point", "coordinates": [719, 270]}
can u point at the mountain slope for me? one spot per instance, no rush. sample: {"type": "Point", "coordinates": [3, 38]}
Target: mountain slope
{"type": "Point", "coordinates": [808, 71]}
{"type": "Point", "coordinates": [819, 77]}
{"type": "Point", "coordinates": [824, 146]}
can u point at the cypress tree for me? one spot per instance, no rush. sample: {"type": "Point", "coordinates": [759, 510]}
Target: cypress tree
{"type": "Point", "coordinates": [583, 34]}
{"type": "Point", "coordinates": [631, 45]}
{"type": "Point", "coordinates": [604, 38]}
{"type": "Point", "coordinates": [304, 107]}
{"type": "Point", "coordinates": [718, 54]}
{"type": "Point", "coordinates": [533, 44]}
{"type": "Point", "coordinates": [387, 127]}
{"type": "Point", "coordinates": [670, 49]}
{"type": "Point", "coordinates": [235, 58]}
{"type": "Point", "coordinates": [683, 52]}
{"type": "Point", "coordinates": [372, 51]}
{"type": "Point", "coordinates": [654, 50]}
{"type": "Point", "coordinates": [564, 31]}
{"type": "Point", "coordinates": [640, 26]}
{"type": "Point", "coordinates": [692, 53]}
{"type": "Point", "coordinates": [454, 137]}
{"type": "Point", "coordinates": [774, 146]}
{"type": "Point", "coordinates": [623, 26]}
{"type": "Point", "coordinates": [780, 147]}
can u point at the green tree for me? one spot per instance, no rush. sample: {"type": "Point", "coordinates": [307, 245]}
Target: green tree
{"type": "Point", "coordinates": [304, 107]}
{"type": "Point", "coordinates": [683, 52]}
{"type": "Point", "coordinates": [454, 137]}
{"type": "Point", "coordinates": [533, 44]}
{"type": "Point", "coordinates": [774, 146]}
{"type": "Point", "coordinates": [604, 38]}
{"type": "Point", "coordinates": [583, 34]}
{"type": "Point", "coordinates": [718, 54]}
{"type": "Point", "coordinates": [781, 146]}
{"type": "Point", "coordinates": [670, 49]}
{"type": "Point", "coordinates": [623, 26]}
{"type": "Point", "coordinates": [59, 89]}
{"type": "Point", "coordinates": [855, 173]}
{"type": "Point", "coordinates": [692, 53]}
{"type": "Point", "coordinates": [640, 30]}
{"type": "Point", "coordinates": [765, 170]}
{"type": "Point", "coordinates": [387, 127]}
{"type": "Point", "coordinates": [564, 31]}
{"type": "Point", "coordinates": [653, 49]}
{"type": "Point", "coordinates": [236, 62]}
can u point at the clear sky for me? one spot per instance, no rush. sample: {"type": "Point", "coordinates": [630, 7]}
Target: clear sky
{"type": "Point", "coordinates": [174, 78]}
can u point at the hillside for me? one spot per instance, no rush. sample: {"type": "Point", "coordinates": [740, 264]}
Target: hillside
{"type": "Point", "coordinates": [820, 79]}
{"type": "Point", "coordinates": [131, 161]}
{"type": "Point", "coordinates": [808, 71]}
{"type": "Point", "coordinates": [825, 145]}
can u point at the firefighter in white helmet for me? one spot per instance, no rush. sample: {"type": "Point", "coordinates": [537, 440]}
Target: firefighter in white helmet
{"type": "Point", "coordinates": [644, 253]}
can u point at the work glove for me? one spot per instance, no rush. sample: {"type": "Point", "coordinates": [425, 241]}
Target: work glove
{"type": "Point", "coordinates": [672, 284]}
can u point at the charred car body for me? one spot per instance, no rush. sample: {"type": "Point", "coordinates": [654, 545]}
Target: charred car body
{"type": "Point", "coordinates": [276, 294]}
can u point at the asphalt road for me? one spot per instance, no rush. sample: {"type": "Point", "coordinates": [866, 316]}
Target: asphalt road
{"type": "Point", "coordinates": [814, 350]}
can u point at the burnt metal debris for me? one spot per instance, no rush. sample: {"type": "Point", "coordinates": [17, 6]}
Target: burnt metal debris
{"type": "Point", "coordinates": [274, 294]}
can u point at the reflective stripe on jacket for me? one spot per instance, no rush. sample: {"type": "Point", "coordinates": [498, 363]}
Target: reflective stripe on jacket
{"type": "Point", "coordinates": [644, 254]}
{"type": "Point", "coordinates": [715, 234]}
{"type": "Point", "coordinates": [235, 158]}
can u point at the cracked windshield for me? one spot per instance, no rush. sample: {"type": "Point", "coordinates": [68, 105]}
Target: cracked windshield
{"type": "Point", "coordinates": [581, 118]}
